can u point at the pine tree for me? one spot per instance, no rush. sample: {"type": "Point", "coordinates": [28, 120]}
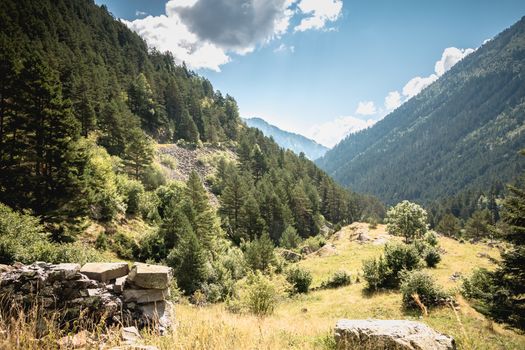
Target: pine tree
{"type": "Point", "coordinates": [138, 153]}
{"type": "Point", "coordinates": [449, 225]}
{"type": "Point", "coordinates": [189, 263]}
{"type": "Point", "coordinates": [232, 201]}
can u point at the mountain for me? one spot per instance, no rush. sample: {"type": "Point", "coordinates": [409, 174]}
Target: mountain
{"type": "Point", "coordinates": [462, 132]}
{"type": "Point", "coordinates": [289, 140]}
{"type": "Point", "coordinates": [85, 107]}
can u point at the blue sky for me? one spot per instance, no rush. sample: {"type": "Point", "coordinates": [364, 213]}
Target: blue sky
{"type": "Point", "coordinates": [318, 67]}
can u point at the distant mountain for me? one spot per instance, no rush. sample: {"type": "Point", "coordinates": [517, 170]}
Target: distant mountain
{"type": "Point", "coordinates": [462, 132]}
{"type": "Point", "coordinates": [295, 142]}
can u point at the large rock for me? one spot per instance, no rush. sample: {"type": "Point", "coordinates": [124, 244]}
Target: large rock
{"type": "Point", "coordinates": [160, 313]}
{"type": "Point", "coordinates": [143, 296]}
{"type": "Point", "coordinates": [391, 335]}
{"type": "Point", "coordinates": [105, 272]}
{"type": "Point", "coordinates": [150, 276]}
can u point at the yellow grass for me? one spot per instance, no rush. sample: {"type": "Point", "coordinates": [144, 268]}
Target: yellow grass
{"type": "Point", "coordinates": [306, 322]}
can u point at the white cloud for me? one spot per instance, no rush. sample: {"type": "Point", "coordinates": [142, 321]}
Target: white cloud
{"type": "Point", "coordinates": [392, 100]}
{"type": "Point", "coordinates": [283, 48]}
{"type": "Point", "coordinates": [140, 13]}
{"type": "Point", "coordinates": [366, 108]}
{"type": "Point", "coordinates": [449, 57]}
{"type": "Point", "coordinates": [318, 13]}
{"type": "Point", "coordinates": [204, 33]}
{"type": "Point", "coordinates": [330, 133]}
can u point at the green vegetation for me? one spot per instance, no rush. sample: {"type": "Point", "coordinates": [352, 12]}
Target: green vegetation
{"type": "Point", "coordinates": [460, 134]}
{"type": "Point", "coordinates": [408, 220]}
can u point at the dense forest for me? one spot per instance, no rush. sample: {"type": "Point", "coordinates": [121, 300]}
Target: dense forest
{"type": "Point", "coordinates": [462, 133]}
{"type": "Point", "coordinates": [83, 103]}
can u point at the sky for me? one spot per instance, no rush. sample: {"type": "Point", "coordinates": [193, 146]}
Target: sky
{"type": "Point", "coordinates": [321, 68]}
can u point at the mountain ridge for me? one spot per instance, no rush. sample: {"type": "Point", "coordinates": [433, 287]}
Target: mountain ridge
{"type": "Point", "coordinates": [289, 140]}
{"type": "Point", "coordinates": [463, 131]}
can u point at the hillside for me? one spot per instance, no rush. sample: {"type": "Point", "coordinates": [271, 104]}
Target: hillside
{"type": "Point", "coordinates": [462, 132]}
{"type": "Point", "coordinates": [289, 140]}
{"type": "Point", "coordinates": [306, 321]}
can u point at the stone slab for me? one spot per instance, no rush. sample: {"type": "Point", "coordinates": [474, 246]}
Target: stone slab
{"type": "Point", "coordinates": [143, 296]}
{"type": "Point", "coordinates": [150, 276]}
{"type": "Point", "coordinates": [391, 335]}
{"type": "Point", "coordinates": [105, 272]}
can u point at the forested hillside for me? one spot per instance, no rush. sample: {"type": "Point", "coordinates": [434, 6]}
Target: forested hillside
{"type": "Point", "coordinates": [83, 104]}
{"type": "Point", "coordinates": [463, 132]}
{"type": "Point", "coordinates": [289, 140]}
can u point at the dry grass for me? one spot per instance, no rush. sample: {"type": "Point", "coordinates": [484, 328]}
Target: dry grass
{"type": "Point", "coordinates": [306, 322]}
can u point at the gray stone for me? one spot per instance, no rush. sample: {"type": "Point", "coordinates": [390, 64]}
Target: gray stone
{"type": "Point", "coordinates": [291, 256]}
{"type": "Point", "coordinates": [391, 335]}
{"type": "Point", "coordinates": [159, 313]}
{"type": "Point", "coordinates": [142, 296]}
{"type": "Point", "coordinates": [65, 271]}
{"type": "Point", "coordinates": [119, 284]}
{"type": "Point", "coordinates": [130, 334]}
{"type": "Point", "coordinates": [104, 272]}
{"type": "Point", "coordinates": [150, 276]}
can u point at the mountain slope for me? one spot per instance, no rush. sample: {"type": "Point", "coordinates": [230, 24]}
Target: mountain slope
{"type": "Point", "coordinates": [463, 131]}
{"type": "Point", "coordinates": [289, 140]}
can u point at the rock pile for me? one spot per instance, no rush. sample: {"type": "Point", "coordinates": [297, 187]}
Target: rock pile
{"type": "Point", "coordinates": [95, 291]}
{"type": "Point", "coordinates": [391, 335]}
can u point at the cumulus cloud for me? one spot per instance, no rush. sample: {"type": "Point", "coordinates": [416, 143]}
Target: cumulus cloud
{"type": "Point", "coordinates": [319, 13]}
{"type": "Point", "coordinates": [204, 33]}
{"type": "Point", "coordinates": [392, 100]}
{"type": "Point", "coordinates": [449, 57]}
{"type": "Point", "coordinates": [330, 133]}
{"type": "Point", "coordinates": [139, 13]}
{"type": "Point", "coordinates": [366, 108]}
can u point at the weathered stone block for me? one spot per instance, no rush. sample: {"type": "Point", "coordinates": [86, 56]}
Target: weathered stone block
{"type": "Point", "coordinates": [104, 272]}
{"type": "Point", "coordinates": [120, 282]}
{"type": "Point", "coordinates": [391, 335]}
{"type": "Point", "coordinates": [142, 296]}
{"type": "Point", "coordinates": [150, 276]}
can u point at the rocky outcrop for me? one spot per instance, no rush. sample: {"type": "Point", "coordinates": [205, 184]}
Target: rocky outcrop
{"type": "Point", "coordinates": [391, 335]}
{"type": "Point", "coordinates": [98, 291]}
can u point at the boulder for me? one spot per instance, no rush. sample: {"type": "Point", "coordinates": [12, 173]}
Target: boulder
{"type": "Point", "coordinates": [391, 335]}
{"type": "Point", "coordinates": [143, 296]}
{"type": "Point", "coordinates": [291, 256]}
{"type": "Point", "coordinates": [105, 272]}
{"type": "Point", "coordinates": [130, 334]}
{"type": "Point", "coordinates": [150, 276]}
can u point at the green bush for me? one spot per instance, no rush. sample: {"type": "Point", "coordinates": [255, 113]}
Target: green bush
{"type": "Point", "coordinates": [432, 257]}
{"type": "Point", "coordinates": [479, 286]}
{"type": "Point", "coordinates": [313, 243]}
{"type": "Point", "coordinates": [153, 177]}
{"type": "Point", "coordinates": [423, 285]}
{"type": "Point", "coordinates": [385, 271]}
{"type": "Point", "coordinates": [376, 273]}
{"type": "Point", "coordinates": [22, 237]}
{"type": "Point", "coordinates": [259, 253]}
{"type": "Point", "coordinates": [124, 246]}
{"type": "Point", "coordinates": [300, 279]}
{"type": "Point", "coordinates": [338, 279]}
{"type": "Point", "coordinates": [256, 294]}
{"type": "Point", "coordinates": [132, 191]}
{"type": "Point", "coordinates": [290, 239]}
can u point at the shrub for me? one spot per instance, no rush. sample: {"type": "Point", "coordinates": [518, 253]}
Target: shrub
{"type": "Point", "coordinates": [256, 294]}
{"type": "Point", "coordinates": [338, 279]}
{"type": "Point", "coordinates": [423, 285]}
{"type": "Point", "coordinates": [432, 257]}
{"type": "Point", "coordinates": [21, 236]}
{"type": "Point", "coordinates": [168, 161]}
{"type": "Point", "coordinates": [290, 239]}
{"type": "Point", "coordinates": [479, 286]}
{"type": "Point", "coordinates": [132, 191]}
{"type": "Point", "coordinates": [259, 253]}
{"type": "Point", "coordinates": [314, 243]}
{"type": "Point", "coordinates": [385, 271]}
{"type": "Point", "coordinates": [153, 177]}
{"type": "Point", "coordinates": [300, 279]}
{"type": "Point", "coordinates": [376, 273]}
{"type": "Point", "coordinates": [432, 239]}
{"type": "Point", "coordinates": [124, 246]}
